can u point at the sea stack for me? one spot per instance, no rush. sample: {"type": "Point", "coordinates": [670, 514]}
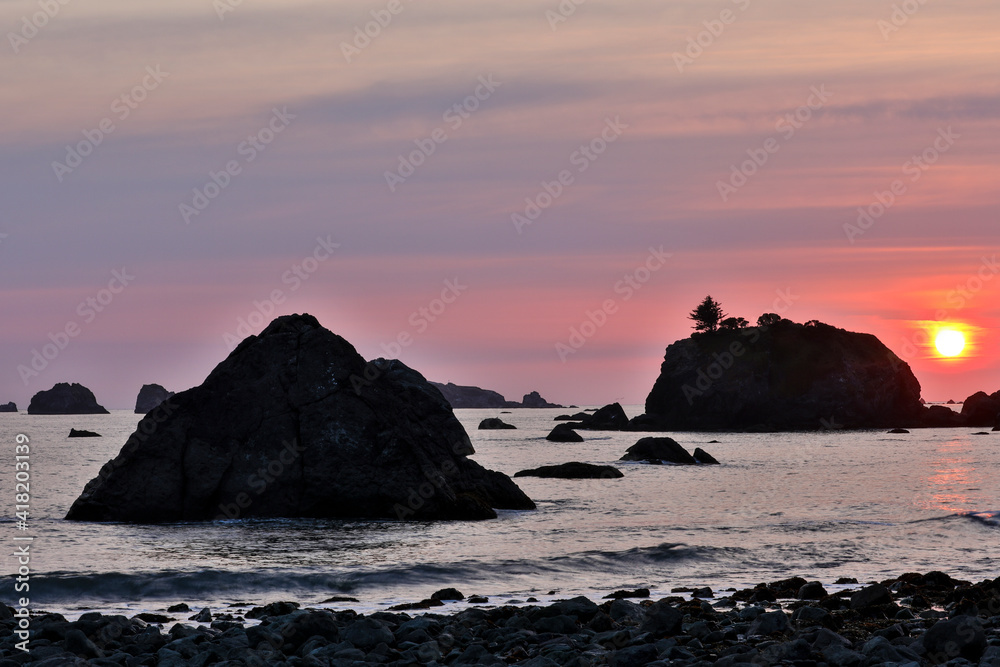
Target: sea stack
{"type": "Point", "coordinates": [150, 396]}
{"type": "Point", "coordinates": [295, 423]}
{"type": "Point", "coordinates": [784, 376]}
{"type": "Point", "coordinates": [8, 407]}
{"type": "Point", "coordinates": [65, 399]}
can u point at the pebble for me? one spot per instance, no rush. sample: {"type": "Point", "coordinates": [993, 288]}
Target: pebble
{"type": "Point", "coordinates": [872, 625]}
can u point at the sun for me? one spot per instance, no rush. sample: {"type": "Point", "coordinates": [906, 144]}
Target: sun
{"type": "Point", "coordinates": [950, 342]}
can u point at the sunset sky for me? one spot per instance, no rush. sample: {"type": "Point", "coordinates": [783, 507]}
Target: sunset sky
{"type": "Point", "coordinates": [695, 148]}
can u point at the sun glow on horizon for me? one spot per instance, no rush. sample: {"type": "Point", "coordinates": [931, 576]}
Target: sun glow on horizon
{"type": "Point", "coordinates": [949, 342]}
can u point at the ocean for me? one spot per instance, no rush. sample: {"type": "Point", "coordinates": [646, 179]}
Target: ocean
{"type": "Point", "coordinates": [821, 505]}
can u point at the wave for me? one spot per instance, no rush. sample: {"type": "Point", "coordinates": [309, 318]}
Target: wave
{"type": "Point", "coordinates": [54, 587]}
{"type": "Point", "coordinates": [989, 518]}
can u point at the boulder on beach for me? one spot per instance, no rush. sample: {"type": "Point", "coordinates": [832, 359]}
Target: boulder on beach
{"type": "Point", "coordinates": [981, 409]}
{"type": "Point", "coordinates": [295, 423]}
{"type": "Point", "coordinates": [494, 423]}
{"type": "Point", "coordinates": [8, 407]}
{"type": "Point", "coordinates": [784, 376]}
{"type": "Point", "coordinates": [65, 399]}
{"type": "Point", "coordinates": [74, 433]}
{"type": "Point", "coordinates": [573, 470]}
{"type": "Point", "coordinates": [150, 396]}
{"type": "Point", "coordinates": [658, 450]}
{"type": "Point", "coordinates": [564, 433]}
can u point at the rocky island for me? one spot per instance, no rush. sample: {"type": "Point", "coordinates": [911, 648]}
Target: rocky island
{"type": "Point", "coordinates": [781, 376]}
{"type": "Point", "coordinates": [8, 407]}
{"type": "Point", "coordinates": [295, 423]}
{"type": "Point", "coordinates": [459, 396]}
{"type": "Point", "coordinates": [150, 396]}
{"type": "Point", "coordinates": [65, 399]}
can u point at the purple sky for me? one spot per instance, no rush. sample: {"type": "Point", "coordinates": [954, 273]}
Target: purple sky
{"type": "Point", "coordinates": [837, 102]}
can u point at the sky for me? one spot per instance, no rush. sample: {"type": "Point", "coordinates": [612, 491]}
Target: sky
{"type": "Point", "coordinates": [519, 195]}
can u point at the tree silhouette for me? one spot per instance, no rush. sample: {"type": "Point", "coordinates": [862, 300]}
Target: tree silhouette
{"type": "Point", "coordinates": [732, 323]}
{"type": "Point", "coordinates": [707, 315]}
{"type": "Point", "coordinates": [767, 319]}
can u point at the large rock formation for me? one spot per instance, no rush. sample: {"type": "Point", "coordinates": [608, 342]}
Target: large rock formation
{"type": "Point", "coordinates": [150, 396]}
{"type": "Point", "coordinates": [535, 400]}
{"type": "Point", "coordinates": [784, 376]}
{"type": "Point", "coordinates": [295, 423]}
{"type": "Point", "coordinates": [8, 407]}
{"type": "Point", "coordinates": [65, 399]}
{"type": "Point", "coordinates": [981, 409]}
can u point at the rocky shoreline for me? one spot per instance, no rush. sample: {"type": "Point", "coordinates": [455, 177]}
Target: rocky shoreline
{"type": "Point", "coordinates": [913, 619]}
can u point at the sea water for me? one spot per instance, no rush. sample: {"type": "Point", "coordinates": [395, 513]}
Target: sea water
{"type": "Point", "coordinates": [821, 505]}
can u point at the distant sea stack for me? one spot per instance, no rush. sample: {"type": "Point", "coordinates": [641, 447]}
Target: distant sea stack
{"type": "Point", "coordinates": [65, 399]}
{"type": "Point", "coordinates": [295, 423]}
{"type": "Point", "coordinates": [459, 396]}
{"type": "Point", "coordinates": [8, 407]}
{"type": "Point", "coordinates": [150, 396]}
{"type": "Point", "coordinates": [784, 376]}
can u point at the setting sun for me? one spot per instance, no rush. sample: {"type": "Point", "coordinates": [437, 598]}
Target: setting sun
{"type": "Point", "coordinates": [950, 342]}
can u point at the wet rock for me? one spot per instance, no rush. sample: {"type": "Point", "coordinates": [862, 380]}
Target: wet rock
{"type": "Point", "coordinates": [959, 637]}
{"type": "Point", "coordinates": [899, 430]}
{"type": "Point", "coordinates": [573, 470]}
{"type": "Point", "coordinates": [769, 623]}
{"type": "Point", "coordinates": [367, 633]}
{"type": "Point", "coordinates": [564, 433]}
{"type": "Point", "coordinates": [701, 456]}
{"type": "Point", "coordinates": [812, 590]}
{"type": "Point", "coordinates": [447, 594]}
{"type": "Point", "coordinates": [871, 596]}
{"type": "Point", "coordinates": [203, 616]}
{"type": "Point", "coordinates": [494, 423]}
{"type": "Point", "coordinates": [74, 433]}
{"type": "Point", "coordinates": [658, 449]}
{"type": "Point", "coordinates": [662, 619]}
{"type": "Point", "coordinates": [273, 609]}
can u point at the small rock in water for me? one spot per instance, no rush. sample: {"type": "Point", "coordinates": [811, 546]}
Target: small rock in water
{"type": "Point", "coordinates": [494, 423]}
{"type": "Point", "coordinates": [339, 598]}
{"type": "Point", "coordinates": [273, 609]}
{"type": "Point", "coordinates": [871, 596]}
{"type": "Point", "coordinates": [478, 599]}
{"type": "Point", "coordinates": [899, 430]}
{"type": "Point", "coordinates": [573, 470]}
{"type": "Point", "coordinates": [177, 608]}
{"type": "Point", "coordinates": [448, 594]}
{"type": "Point", "coordinates": [705, 592]}
{"type": "Point", "coordinates": [564, 433]}
{"type": "Point", "coordinates": [74, 433]}
{"type": "Point", "coordinates": [701, 456]}
{"type": "Point", "coordinates": [619, 595]}
{"type": "Point", "coordinates": [203, 616]}
{"type": "Point", "coordinates": [812, 590]}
